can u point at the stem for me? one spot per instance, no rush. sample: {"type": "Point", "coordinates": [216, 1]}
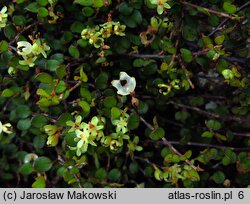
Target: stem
{"type": "Point", "coordinates": [167, 143]}
{"type": "Point", "coordinates": [197, 144]}
{"type": "Point", "coordinates": [227, 19]}
{"type": "Point", "coordinates": [210, 10]}
{"type": "Point", "coordinates": [209, 114]}
{"type": "Point", "coordinates": [74, 87]}
{"type": "Point", "coordinates": [186, 72]}
{"type": "Point", "coordinates": [54, 89]}
{"type": "Point", "coordinates": [24, 30]}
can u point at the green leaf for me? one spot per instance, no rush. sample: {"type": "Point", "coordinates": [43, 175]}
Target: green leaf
{"type": "Point", "coordinates": [77, 27]}
{"type": "Point", "coordinates": [218, 177]}
{"type": "Point", "coordinates": [133, 121]}
{"type": "Point", "coordinates": [189, 33]}
{"type": "Point", "coordinates": [33, 7]}
{"type": "Point", "coordinates": [207, 134]}
{"type": "Point", "coordinates": [7, 93]}
{"type": "Point", "coordinates": [42, 164]}
{"type": "Point", "coordinates": [44, 78]}
{"type": "Point", "coordinates": [133, 168]}
{"type": "Point", "coordinates": [3, 46]}
{"type": "Point", "coordinates": [84, 93]}
{"type": "Point", "coordinates": [85, 106]}
{"type": "Point", "coordinates": [181, 115]}
{"type": "Point", "coordinates": [52, 64]}
{"type": "Point", "coordinates": [125, 9]}
{"type": "Point", "coordinates": [101, 174]}
{"type": "Point", "coordinates": [26, 169]}
{"type": "Point", "coordinates": [229, 158]}
{"type": "Point", "coordinates": [61, 71]}
{"type": "Point", "coordinates": [39, 141]}
{"type": "Point", "coordinates": [101, 81]}
{"type": "Point", "coordinates": [43, 12]}
{"type": "Point", "coordinates": [88, 11]}
{"type": "Point", "coordinates": [157, 134]}
{"type": "Point", "coordinates": [98, 3]}
{"type": "Point", "coordinates": [186, 55]}
{"type": "Point", "coordinates": [19, 20]}
{"type": "Point", "coordinates": [115, 112]}
{"type": "Point", "coordinates": [229, 8]}
{"type": "Point", "coordinates": [109, 102]}
{"type": "Point", "coordinates": [24, 124]}
{"type": "Point", "coordinates": [74, 52]}
{"type": "Point", "coordinates": [219, 39]}
{"type": "Point", "coordinates": [213, 124]}
{"type": "Point", "coordinates": [138, 62]}
{"type": "Point", "coordinates": [114, 175]}
{"type": "Point", "coordinates": [42, 2]}
{"type": "Point", "coordinates": [84, 2]}
{"type": "Point", "coordinates": [83, 75]}
{"type": "Point", "coordinates": [39, 183]}
{"type": "Point", "coordinates": [23, 111]}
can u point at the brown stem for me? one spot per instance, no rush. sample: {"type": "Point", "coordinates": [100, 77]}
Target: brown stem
{"type": "Point", "coordinates": [210, 10]}
{"type": "Point", "coordinates": [183, 66]}
{"type": "Point", "coordinates": [54, 89]}
{"type": "Point", "coordinates": [74, 87]}
{"type": "Point", "coordinates": [24, 30]}
{"type": "Point", "coordinates": [197, 144]}
{"type": "Point", "coordinates": [211, 115]}
{"type": "Point", "coordinates": [167, 143]}
{"type": "Point", "coordinates": [227, 19]}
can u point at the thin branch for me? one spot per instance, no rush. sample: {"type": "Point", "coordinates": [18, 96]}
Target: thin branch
{"type": "Point", "coordinates": [229, 16]}
{"type": "Point", "coordinates": [247, 4]}
{"type": "Point", "coordinates": [167, 143]}
{"type": "Point", "coordinates": [147, 56]}
{"type": "Point", "coordinates": [74, 87]}
{"type": "Point", "coordinates": [210, 114]}
{"type": "Point", "coordinates": [24, 30]}
{"type": "Point", "coordinates": [186, 72]}
{"type": "Point", "coordinates": [146, 161]}
{"type": "Point", "coordinates": [54, 88]}
{"type": "Point", "coordinates": [197, 144]}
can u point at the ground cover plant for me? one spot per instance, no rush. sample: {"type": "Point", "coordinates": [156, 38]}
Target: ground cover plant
{"type": "Point", "coordinates": [137, 93]}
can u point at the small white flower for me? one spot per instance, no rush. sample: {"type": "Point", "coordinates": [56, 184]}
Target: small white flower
{"type": "Point", "coordinates": [24, 48]}
{"type": "Point", "coordinates": [128, 86]}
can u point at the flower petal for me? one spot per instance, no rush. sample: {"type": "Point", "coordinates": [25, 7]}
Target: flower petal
{"type": "Point", "coordinates": [116, 84]}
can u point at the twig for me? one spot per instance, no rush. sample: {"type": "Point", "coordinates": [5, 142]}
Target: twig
{"type": "Point", "coordinates": [24, 30]}
{"type": "Point", "coordinates": [186, 72]}
{"type": "Point", "coordinates": [74, 87]}
{"type": "Point", "coordinates": [239, 134]}
{"type": "Point", "coordinates": [227, 19]}
{"type": "Point", "coordinates": [150, 56]}
{"type": "Point", "coordinates": [209, 114]}
{"type": "Point", "coordinates": [146, 161]}
{"type": "Point", "coordinates": [167, 143]}
{"type": "Point", "coordinates": [197, 144]}
{"type": "Point", "coordinates": [54, 89]}
{"type": "Point", "coordinates": [210, 10]}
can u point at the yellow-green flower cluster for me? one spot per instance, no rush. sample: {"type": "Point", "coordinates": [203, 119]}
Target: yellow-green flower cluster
{"type": "Point", "coordinates": [115, 140]}
{"type": "Point", "coordinates": [30, 52]}
{"type": "Point", "coordinates": [86, 133]}
{"type": "Point", "coordinates": [97, 35]}
{"type": "Point", "coordinates": [3, 17]}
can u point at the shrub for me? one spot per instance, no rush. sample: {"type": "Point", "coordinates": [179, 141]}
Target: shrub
{"type": "Point", "coordinates": [124, 93]}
